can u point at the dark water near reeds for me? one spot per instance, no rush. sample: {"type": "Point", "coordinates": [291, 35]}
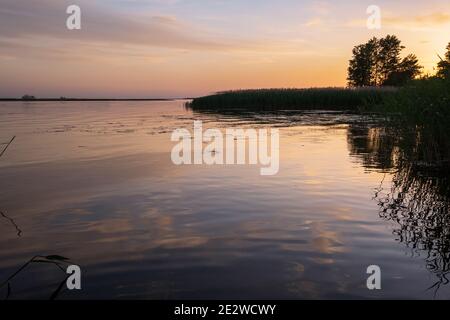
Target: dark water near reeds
{"type": "Point", "coordinates": [94, 182]}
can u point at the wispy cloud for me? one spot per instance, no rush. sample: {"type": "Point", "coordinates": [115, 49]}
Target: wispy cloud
{"type": "Point", "coordinates": [37, 29]}
{"type": "Point", "coordinates": [427, 21]}
{"type": "Point", "coordinates": [433, 19]}
{"type": "Point", "coordinates": [321, 7]}
{"type": "Point", "coordinates": [28, 19]}
{"type": "Point", "coordinates": [314, 22]}
{"type": "Point", "coordinates": [320, 11]}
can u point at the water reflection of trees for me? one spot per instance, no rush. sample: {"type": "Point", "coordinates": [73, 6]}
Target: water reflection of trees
{"type": "Point", "coordinates": [418, 199]}
{"type": "Point", "coordinates": [374, 146]}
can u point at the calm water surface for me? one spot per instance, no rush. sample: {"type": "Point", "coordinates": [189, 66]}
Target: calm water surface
{"type": "Point", "coordinates": [94, 182]}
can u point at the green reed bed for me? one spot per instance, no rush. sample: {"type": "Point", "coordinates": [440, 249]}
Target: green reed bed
{"type": "Point", "coordinates": [292, 99]}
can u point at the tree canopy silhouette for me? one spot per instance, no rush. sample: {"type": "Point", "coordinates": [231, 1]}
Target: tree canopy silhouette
{"type": "Point", "coordinates": [378, 63]}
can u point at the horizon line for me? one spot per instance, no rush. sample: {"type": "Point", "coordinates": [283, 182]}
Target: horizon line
{"type": "Point", "coordinates": [94, 99]}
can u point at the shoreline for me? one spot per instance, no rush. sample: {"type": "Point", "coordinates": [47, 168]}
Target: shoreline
{"type": "Point", "coordinates": [87, 99]}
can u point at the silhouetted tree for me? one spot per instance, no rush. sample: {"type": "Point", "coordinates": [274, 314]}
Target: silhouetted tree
{"type": "Point", "coordinates": [388, 57]}
{"type": "Point", "coordinates": [378, 62]}
{"type": "Point", "coordinates": [363, 65]}
{"type": "Point", "coordinates": [444, 65]}
{"type": "Point", "coordinates": [408, 69]}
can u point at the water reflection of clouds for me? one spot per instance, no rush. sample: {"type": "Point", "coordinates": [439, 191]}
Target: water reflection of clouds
{"type": "Point", "coordinates": [143, 227]}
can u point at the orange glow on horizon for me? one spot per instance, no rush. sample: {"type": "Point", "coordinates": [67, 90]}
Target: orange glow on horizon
{"type": "Point", "coordinates": [124, 53]}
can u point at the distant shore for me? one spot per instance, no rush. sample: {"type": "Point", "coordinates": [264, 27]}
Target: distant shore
{"type": "Point", "coordinates": [88, 99]}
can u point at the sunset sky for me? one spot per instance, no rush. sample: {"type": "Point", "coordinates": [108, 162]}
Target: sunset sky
{"type": "Point", "coordinates": [185, 48]}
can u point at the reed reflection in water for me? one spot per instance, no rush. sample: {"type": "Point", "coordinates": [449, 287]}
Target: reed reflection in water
{"type": "Point", "coordinates": [416, 200]}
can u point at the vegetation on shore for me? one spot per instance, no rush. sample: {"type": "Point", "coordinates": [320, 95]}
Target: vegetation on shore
{"type": "Point", "coordinates": [293, 99]}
